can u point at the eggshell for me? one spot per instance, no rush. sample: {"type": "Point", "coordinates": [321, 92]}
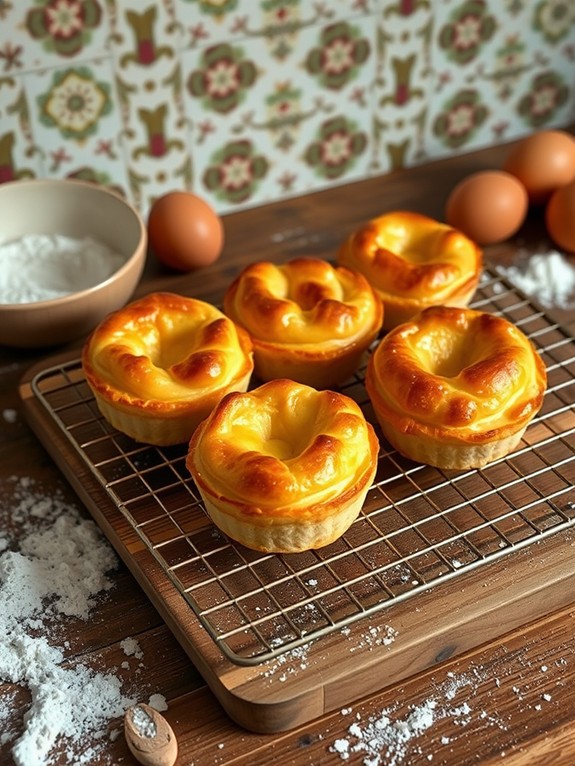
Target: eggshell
{"type": "Point", "coordinates": [184, 231]}
{"type": "Point", "coordinates": [488, 206]}
{"type": "Point", "coordinates": [543, 162]}
{"type": "Point", "coordinates": [560, 217]}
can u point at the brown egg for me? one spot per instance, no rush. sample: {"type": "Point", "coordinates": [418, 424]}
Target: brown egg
{"type": "Point", "coordinates": [488, 206]}
{"type": "Point", "coordinates": [184, 231]}
{"type": "Point", "coordinates": [560, 217]}
{"type": "Point", "coordinates": [543, 162]}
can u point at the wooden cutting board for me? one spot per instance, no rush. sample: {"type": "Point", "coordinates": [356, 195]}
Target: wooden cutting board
{"type": "Point", "coordinates": [354, 658]}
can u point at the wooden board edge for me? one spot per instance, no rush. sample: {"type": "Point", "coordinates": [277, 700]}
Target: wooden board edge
{"type": "Point", "coordinates": [460, 621]}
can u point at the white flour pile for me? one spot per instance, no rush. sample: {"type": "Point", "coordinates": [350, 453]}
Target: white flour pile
{"type": "Point", "coordinates": [41, 267]}
{"type": "Point", "coordinates": [62, 565]}
{"type": "Point", "coordinates": [547, 276]}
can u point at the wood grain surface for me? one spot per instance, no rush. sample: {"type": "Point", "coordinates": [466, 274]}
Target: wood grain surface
{"type": "Point", "coordinates": [507, 696]}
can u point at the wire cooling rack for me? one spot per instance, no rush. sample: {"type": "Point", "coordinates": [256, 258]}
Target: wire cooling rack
{"type": "Point", "coordinates": [419, 526]}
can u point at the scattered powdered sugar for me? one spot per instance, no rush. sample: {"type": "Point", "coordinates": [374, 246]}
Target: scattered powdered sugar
{"type": "Point", "coordinates": [288, 663]}
{"type": "Point", "coordinates": [386, 740]}
{"type": "Point", "coordinates": [63, 563]}
{"type": "Point", "coordinates": [10, 415]}
{"type": "Point", "coordinates": [379, 635]}
{"type": "Point", "coordinates": [295, 660]}
{"type": "Point", "coordinates": [382, 739]}
{"type": "Point", "coordinates": [131, 648]}
{"type": "Point", "coordinates": [158, 702]}
{"type": "Point", "coordinates": [390, 737]}
{"type": "Point", "coordinates": [548, 276]}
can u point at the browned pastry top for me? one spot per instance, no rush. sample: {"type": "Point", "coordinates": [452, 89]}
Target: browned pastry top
{"type": "Point", "coordinates": [457, 371]}
{"type": "Point", "coordinates": [284, 452]}
{"type": "Point", "coordinates": [306, 302]}
{"type": "Point", "coordinates": [409, 255]}
{"type": "Point", "coordinates": [164, 350]}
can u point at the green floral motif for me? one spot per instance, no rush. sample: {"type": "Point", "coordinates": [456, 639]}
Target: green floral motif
{"type": "Point", "coordinates": [216, 7]}
{"type": "Point", "coordinates": [281, 24]}
{"type": "Point", "coordinates": [63, 25]}
{"type": "Point", "coordinates": [338, 145]}
{"type": "Point", "coordinates": [405, 7]}
{"type": "Point", "coordinates": [515, 6]}
{"type": "Point", "coordinates": [280, 10]}
{"type": "Point", "coordinates": [511, 55]}
{"type": "Point", "coordinates": [471, 26]}
{"type": "Point", "coordinates": [285, 114]}
{"type": "Point", "coordinates": [510, 63]}
{"type": "Point", "coordinates": [462, 116]}
{"type": "Point", "coordinates": [546, 95]}
{"type": "Point", "coordinates": [554, 19]}
{"type": "Point", "coordinates": [341, 53]}
{"type": "Point", "coordinates": [224, 78]}
{"type": "Point", "coordinates": [75, 103]}
{"type": "Point", "coordinates": [87, 173]}
{"type": "Point", "coordinates": [235, 171]}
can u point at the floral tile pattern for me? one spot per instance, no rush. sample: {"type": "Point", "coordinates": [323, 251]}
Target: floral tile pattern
{"type": "Point", "coordinates": [500, 75]}
{"type": "Point", "coordinates": [250, 101]}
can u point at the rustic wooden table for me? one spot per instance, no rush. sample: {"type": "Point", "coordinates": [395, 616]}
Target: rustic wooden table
{"type": "Point", "coordinates": [511, 697]}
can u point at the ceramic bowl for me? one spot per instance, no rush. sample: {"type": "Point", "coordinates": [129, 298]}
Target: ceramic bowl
{"type": "Point", "coordinates": [75, 212]}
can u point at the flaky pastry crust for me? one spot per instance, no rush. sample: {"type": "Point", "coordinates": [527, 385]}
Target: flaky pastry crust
{"type": "Point", "coordinates": [308, 320]}
{"type": "Point", "coordinates": [284, 467]}
{"type": "Point", "coordinates": [455, 387]}
{"type": "Point", "coordinates": [413, 261]}
{"type": "Point", "coordinates": [158, 366]}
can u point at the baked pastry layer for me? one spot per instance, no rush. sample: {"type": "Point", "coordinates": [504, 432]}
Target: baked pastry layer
{"type": "Point", "coordinates": [284, 467]}
{"type": "Point", "coordinates": [455, 387]}
{"type": "Point", "coordinates": [413, 261]}
{"type": "Point", "coordinates": [308, 320]}
{"type": "Point", "coordinates": [158, 366]}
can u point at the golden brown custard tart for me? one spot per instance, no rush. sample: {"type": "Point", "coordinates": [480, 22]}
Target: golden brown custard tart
{"type": "Point", "coordinates": [455, 387]}
{"type": "Point", "coordinates": [308, 320]}
{"type": "Point", "coordinates": [159, 365]}
{"type": "Point", "coordinates": [413, 261]}
{"type": "Point", "coordinates": [284, 467]}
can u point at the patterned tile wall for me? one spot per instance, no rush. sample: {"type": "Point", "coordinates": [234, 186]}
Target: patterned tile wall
{"type": "Point", "coordinates": [249, 101]}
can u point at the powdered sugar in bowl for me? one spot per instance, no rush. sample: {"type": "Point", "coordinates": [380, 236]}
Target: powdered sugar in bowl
{"type": "Point", "coordinates": [70, 252]}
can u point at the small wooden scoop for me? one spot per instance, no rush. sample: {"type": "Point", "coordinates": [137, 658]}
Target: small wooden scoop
{"type": "Point", "coordinates": [149, 736]}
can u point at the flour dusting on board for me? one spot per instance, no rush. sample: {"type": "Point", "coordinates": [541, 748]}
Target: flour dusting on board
{"type": "Point", "coordinates": [295, 660]}
{"type": "Point", "coordinates": [61, 567]}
